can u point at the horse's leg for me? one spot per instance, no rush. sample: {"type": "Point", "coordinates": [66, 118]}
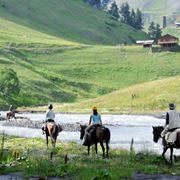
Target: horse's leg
{"type": "Point", "coordinates": [88, 150]}
{"type": "Point", "coordinates": [171, 155]}
{"type": "Point", "coordinates": [163, 154]}
{"type": "Point", "coordinates": [47, 139]}
{"type": "Point", "coordinates": [102, 146]}
{"type": "Point", "coordinates": [96, 147]}
{"type": "Point", "coordinates": [107, 149]}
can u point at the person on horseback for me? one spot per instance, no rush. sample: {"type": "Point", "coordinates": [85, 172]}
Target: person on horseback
{"type": "Point", "coordinates": [50, 117]}
{"type": "Point", "coordinates": [94, 122]}
{"type": "Point", "coordinates": [172, 120]}
{"type": "Point", "coordinates": [95, 119]}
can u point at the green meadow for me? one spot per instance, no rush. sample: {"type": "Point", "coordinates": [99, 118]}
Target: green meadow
{"type": "Point", "coordinates": [57, 62]}
{"type": "Point", "coordinates": [75, 73]}
{"type": "Point", "coordinates": [70, 161]}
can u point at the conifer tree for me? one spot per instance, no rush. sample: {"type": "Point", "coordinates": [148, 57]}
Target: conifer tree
{"type": "Point", "coordinates": [114, 10]}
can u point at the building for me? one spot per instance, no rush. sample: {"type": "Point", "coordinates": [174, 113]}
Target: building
{"type": "Point", "coordinates": [145, 43]}
{"type": "Point", "coordinates": [168, 41]}
{"type": "Point", "coordinates": [177, 24]}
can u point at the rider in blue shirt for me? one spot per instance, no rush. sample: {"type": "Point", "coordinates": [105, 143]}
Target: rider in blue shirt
{"type": "Point", "coordinates": [95, 120]}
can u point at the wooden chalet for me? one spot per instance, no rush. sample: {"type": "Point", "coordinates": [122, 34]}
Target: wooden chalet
{"type": "Point", "coordinates": [168, 41]}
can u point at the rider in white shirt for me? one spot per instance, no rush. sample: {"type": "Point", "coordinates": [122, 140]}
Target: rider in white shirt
{"type": "Point", "coordinates": [50, 117]}
{"type": "Point", "coordinates": [172, 120]}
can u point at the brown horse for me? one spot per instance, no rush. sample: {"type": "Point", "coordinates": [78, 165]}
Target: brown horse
{"type": "Point", "coordinates": [10, 114]}
{"type": "Point", "coordinates": [52, 129]}
{"type": "Point", "coordinates": [100, 134]}
{"type": "Point", "coordinates": [157, 134]}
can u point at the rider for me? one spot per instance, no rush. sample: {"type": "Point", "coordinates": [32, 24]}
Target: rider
{"type": "Point", "coordinates": [50, 116]}
{"type": "Point", "coordinates": [95, 120]}
{"type": "Point", "coordinates": [172, 120]}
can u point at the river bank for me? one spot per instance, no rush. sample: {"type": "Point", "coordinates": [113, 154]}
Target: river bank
{"type": "Point", "coordinates": [123, 128]}
{"type": "Point", "coordinates": [30, 157]}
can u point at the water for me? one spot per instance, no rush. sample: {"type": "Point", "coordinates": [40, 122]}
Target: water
{"type": "Point", "coordinates": [123, 128]}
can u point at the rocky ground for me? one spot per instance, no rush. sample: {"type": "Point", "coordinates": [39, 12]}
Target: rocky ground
{"type": "Point", "coordinates": [25, 122]}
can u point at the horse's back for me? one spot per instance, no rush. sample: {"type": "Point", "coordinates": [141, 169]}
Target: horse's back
{"type": "Point", "coordinates": [103, 133]}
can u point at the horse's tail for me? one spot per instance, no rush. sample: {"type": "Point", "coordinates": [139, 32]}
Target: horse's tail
{"type": "Point", "coordinates": [178, 140]}
{"type": "Point", "coordinates": [107, 135]}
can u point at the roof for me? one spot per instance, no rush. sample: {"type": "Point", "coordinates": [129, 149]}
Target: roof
{"type": "Point", "coordinates": [145, 42]}
{"type": "Point", "coordinates": [168, 35]}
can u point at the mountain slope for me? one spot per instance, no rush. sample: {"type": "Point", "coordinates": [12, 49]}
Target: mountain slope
{"type": "Point", "coordinates": [142, 98]}
{"type": "Point", "coordinates": [154, 10]}
{"type": "Point", "coordinates": [68, 19]}
{"type": "Point", "coordinates": [56, 73]}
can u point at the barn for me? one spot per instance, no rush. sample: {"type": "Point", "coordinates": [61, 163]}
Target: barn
{"type": "Point", "coordinates": [168, 41]}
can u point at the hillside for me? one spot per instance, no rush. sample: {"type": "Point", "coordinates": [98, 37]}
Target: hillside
{"type": "Point", "coordinates": [154, 10]}
{"type": "Point", "coordinates": [68, 19]}
{"type": "Point", "coordinates": [77, 73]}
{"type": "Point", "coordinates": [142, 98]}
{"type": "Point", "coordinates": [173, 31]}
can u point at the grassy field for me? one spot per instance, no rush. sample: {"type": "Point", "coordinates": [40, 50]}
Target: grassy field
{"type": "Point", "coordinates": [54, 66]}
{"type": "Point", "coordinates": [173, 31]}
{"type": "Point", "coordinates": [75, 73]}
{"type": "Point", "coordinates": [151, 97]}
{"type": "Point", "coordinates": [31, 157]}
{"type": "Point", "coordinates": [67, 19]}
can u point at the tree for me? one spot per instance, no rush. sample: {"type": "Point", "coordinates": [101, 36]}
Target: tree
{"type": "Point", "coordinates": [133, 18]}
{"type": "Point", "coordinates": [9, 83]}
{"type": "Point", "coordinates": [95, 3]}
{"type": "Point", "coordinates": [114, 10]}
{"type": "Point", "coordinates": [125, 13]}
{"type": "Point", "coordinates": [158, 32]}
{"type": "Point", "coordinates": [138, 20]}
{"type": "Point", "coordinates": [154, 31]}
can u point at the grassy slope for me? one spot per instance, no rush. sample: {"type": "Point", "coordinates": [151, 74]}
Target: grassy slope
{"type": "Point", "coordinates": [88, 72]}
{"type": "Point", "coordinates": [174, 31]}
{"type": "Point", "coordinates": [31, 157]}
{"type": "Point", "coordinates": [149, 97]}
{"type": "Point", "coordinates": [70, 20]}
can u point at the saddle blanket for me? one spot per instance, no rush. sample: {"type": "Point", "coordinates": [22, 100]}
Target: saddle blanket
{"type": "Point", "coordinates": [170, 137]}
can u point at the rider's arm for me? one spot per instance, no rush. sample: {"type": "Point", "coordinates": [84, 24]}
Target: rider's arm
{"type": "Point", "coordinates": [167, 119]}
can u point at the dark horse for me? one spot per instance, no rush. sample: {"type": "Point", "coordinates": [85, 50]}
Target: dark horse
{"type": "Point", "coordinates": [52, 130]}
{"type": "Point", "coordinates": [10, 114]}
{"type": "Point", "coordinates": [157, 134]}
{"type": "Point", "coordinates": [101, 134]}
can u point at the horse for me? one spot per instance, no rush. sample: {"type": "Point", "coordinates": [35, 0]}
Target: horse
{"type": "Point", "coordinates": [52, 130]}
{"type": "Point", "coordinates": [101, 134]}
{"type": "Point", "coordinates": [10, 114]}
{"type": "Point", "coordinates": [157, 134]}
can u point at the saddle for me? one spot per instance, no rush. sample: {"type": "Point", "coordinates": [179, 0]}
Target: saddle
{"type": "Point", "coordinates": [171, 137]}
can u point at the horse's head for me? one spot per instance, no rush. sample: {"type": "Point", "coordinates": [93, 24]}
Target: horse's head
{"type": "Point", "coordinates": [157, 133]}
{"type": "Point", "coordinates": [82, 131]}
